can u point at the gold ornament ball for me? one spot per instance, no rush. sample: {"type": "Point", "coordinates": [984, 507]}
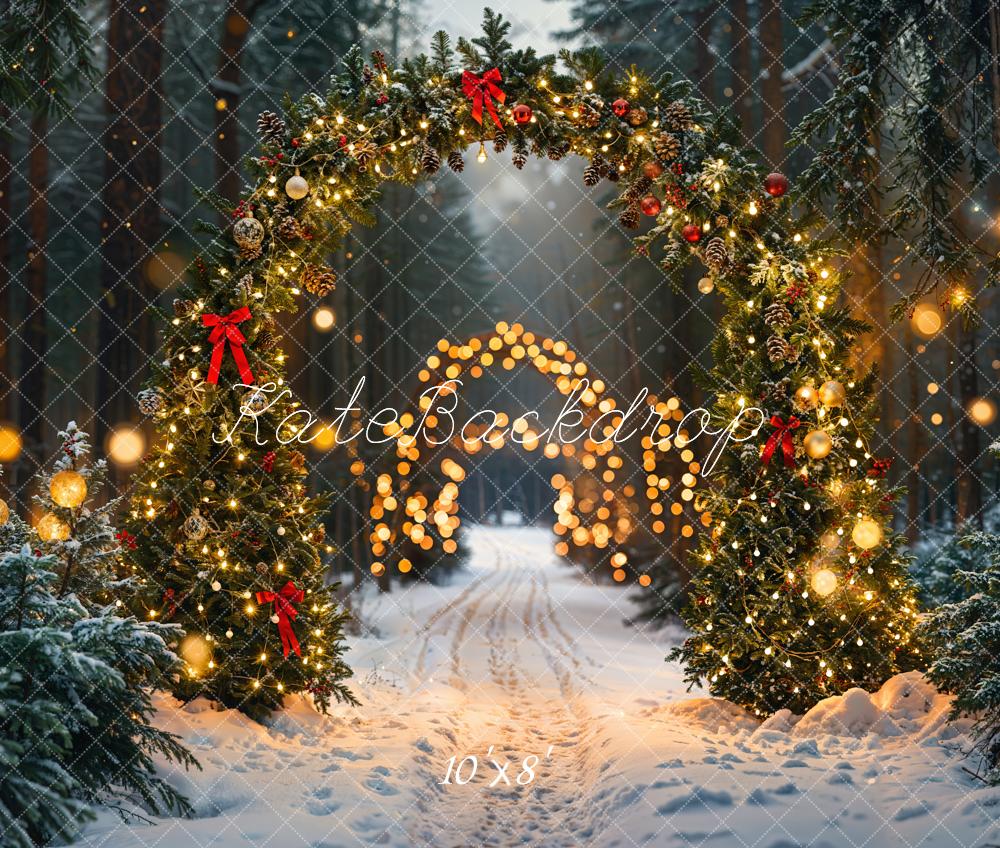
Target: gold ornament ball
{"type": "Point", "coordinates": [832, 393]}
{"type": "Point", "coordinates": [866, 533]}
{"type": "Point", "coordinates": [706, 285]}
{"type": "Point", "coordinates": [806, 397]}
{"type": "Point", "coordinates": [4, 512]}
{"type": "Point", "coordinates": [824, 582]}
{"type": "Point", "coordinates": [51, 528]}
{"type": "Point", "coordinates": [68, 488]}
{"type": "Point", "coordinates": [196, 652]}
{"type": "Point", "coordinates": [10, 443]}
{"type": "Point", "coordinates": [296, 187]}
{"type": "Point", "coordinates": [830, 540]}
{"type": "Point", "coordinates": [818, 444]}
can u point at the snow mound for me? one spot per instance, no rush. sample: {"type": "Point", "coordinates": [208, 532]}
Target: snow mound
{"type": "Point", "coordinates": [906, 705]}
{"type": "Point", "coordinates": [715, 714]}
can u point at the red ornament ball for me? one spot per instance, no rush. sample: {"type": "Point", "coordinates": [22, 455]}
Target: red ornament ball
{"type": "Point", "coordinates": [691, 233]}
{"type": "Point", "coordinates": [652, 169]}
{"type": "Point", "coordinates": [776, 184]}
{"type": "Point", "coordinates": [650, 205]}
{"type": "Point", "coordinates": [621, 107]}
{"type": "Point", "coordinates": [522, 113]}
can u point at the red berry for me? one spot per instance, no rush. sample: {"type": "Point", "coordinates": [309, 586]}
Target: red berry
{"type": "Point", "coordinates": [295, 142]}
{"type": "Point", "coordinates": [522, 113]}
{"type": "Point", "coordinates": [776, 184]}
{"type": "Point", "coordinates": [691, 233]}
{"type": "Point", "coordinates": [621, 107]}
{"type": "Point", "coordinates": [650, 205]}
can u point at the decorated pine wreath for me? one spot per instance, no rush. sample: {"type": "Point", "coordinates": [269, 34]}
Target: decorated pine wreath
{"type": "Point", "coordinates": [801, 591]}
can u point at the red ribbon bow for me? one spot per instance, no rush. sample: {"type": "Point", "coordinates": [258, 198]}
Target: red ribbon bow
{"type": "Point", "coordinates": [224, 330]}
{"type": "Point", "coordinates": [283, 608]}
{"type": "Point", "coordinates": [782, 434]}
{"type": "Point", "coordinates": [483, 90]}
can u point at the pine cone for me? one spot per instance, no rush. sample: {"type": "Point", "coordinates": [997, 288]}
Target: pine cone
{"type": "Point", "coordinates": [151, 401]}
{"type": "Point", "coordinates": [629, 217]}
{"type": "Point", "coordinates": [676, 116]}
{"type": "Point", "coordinates": [297, 460]}
{"type": "Point", "coordinates": [637, 116]}
{"type": "Point", "coordinates": [592, 173]}
{"type": "Point", "coordinates": [364, 152]}
{"type": "Point", "coordinates": [499, 141]}
{"type": "Point", "coordinates": [519, 158]}
{"type": "Point", "coordinates": [289, 228]}
{"type": "Point", "coordinates": [249, 254]}
{"type": "Point", "coordinates": [557, 151]}
{"type": "Point", "coordinates": [430, 159]}
{"type": "Point", "coordinates": [270, 127]}
{"type": "Point", "coordinates": [318, 280]}
{"type": "Point", "coordinates": [318, 534]}
{"type": "Point", "coordinates": [456, 162]}
{"type": "Point", "coordinates": [266, 339]}
{"type": "Point", "coordinates": [244, 285]}
{"type": "Point", "coordinates": [716, 253]}
{"type": "Point", "coordinates": [589, 116]}
{"type": "Point", "coordinates": [777, 315]}
{"type": "Point", "coordinates": [667, 147]}
{"type": "Point", "coordinates": [722, 220]}
{"type": "Point", "coordinates": [183, 308]}
{"type": "Point", "coordinates": [777, 349]}
{"type": "Point", "coordinates": [637, 189]}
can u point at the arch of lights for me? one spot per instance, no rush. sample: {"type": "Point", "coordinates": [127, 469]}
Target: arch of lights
{"type": "Point", "coordinates": [401, 510]}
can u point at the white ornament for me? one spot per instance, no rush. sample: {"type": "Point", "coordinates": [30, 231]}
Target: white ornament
{"type": "Point", "coordinates": [296, 187]}
{"type": "Point", "coordinates": [274, 619]}
{"type": "Point", "coordinates": [216, 585]}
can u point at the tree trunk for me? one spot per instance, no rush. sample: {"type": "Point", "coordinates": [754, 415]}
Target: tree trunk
{"type": "Point", "coordinates": [130, 222]}
{"type": "Point", "coordinates": [32, 372]}
{"type": "Point", "coordinates": [742, 64]}
{"type": "Point", "coordinates": [704, 60]}
{"type": "Point", "coordinates": [773, 126]}
{"type": "Point", "coordinates": [916, 444]}
{"type": "Point", "coordinates": [6, 320]}
{"type": "Point", "coordinates": [968, 488]}
{"type": "Point", "coordinates": [227, 87]}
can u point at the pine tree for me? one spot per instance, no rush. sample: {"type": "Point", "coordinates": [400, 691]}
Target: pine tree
{"type": "Point", "coordinates": [223, 530]}
{"type": "Point", "coordinates": [75, 708]}
{"type": "Point", "coordinates": [81, 536]}
{"type": "Point", "coordinates": [966, 640]}
{"type": "Point", "coordinates": [801, 591]}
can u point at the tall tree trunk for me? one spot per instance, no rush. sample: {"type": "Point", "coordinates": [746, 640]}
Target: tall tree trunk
{"type": "Point", "coordinates": [742, 63]}
{"type": "Point", "coordinates": [32, 372]}
{"type": "Point", "coordinates": [773, 126]}
{"type": "Point", "coordinates": [227, 87]}
{"type": "Point", "coordinates": [968, 488]}
{"type": "Point", "coordinates": [915, 446]}
{"type": "Point", "coordinates": [704, 59]}
{"type": "Point", "coordinates": [6, 322]}
{"type": "Point", "coordinates": [130, 221]}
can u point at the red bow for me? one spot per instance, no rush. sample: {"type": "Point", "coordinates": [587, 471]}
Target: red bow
{"type": "Point", "coordinates": [482, 90]}
{"type": "Point", "coordinates": [283, 601]}
{"type": "Point", "coordinates": [783, 434]}
{"type": "Point", "coordinates": [224, 330]}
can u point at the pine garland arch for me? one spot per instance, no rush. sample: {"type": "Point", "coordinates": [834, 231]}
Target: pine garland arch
{"type": "Point", "coordinates": [319, 173]}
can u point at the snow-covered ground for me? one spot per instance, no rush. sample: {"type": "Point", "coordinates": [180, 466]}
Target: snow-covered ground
{"type": "Point", "coordinates": [521, 654]}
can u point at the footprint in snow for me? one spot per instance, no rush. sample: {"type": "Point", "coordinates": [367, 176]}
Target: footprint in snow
{"type": "Point", "coordinates": [700, 798]}
{"type": "Point", "coordinates": [377, 784]}
{"type": "Point", "coordinates": [423, 745]}
{"type": "Point", "coordinates": [353, 756]}
{"type": "Point", "coordinates": [321, 808]}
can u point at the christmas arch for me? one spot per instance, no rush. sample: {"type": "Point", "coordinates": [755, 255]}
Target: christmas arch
{"type": "Point", "coordinates": [413, 517]}
{"type": "Point", "coordinates": [801, 591]}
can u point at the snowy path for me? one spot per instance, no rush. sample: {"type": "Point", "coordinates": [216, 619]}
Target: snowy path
{"type": "Point", "coordinates": [522, 655]}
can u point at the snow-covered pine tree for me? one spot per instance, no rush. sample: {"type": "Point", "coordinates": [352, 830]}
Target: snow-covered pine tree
{"type": "Point", "coordinates": [81, 535]}
{"type": "Point", "coordinates": [74, 709]}
{"type": "Point", "coordinates": [965, 637]}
